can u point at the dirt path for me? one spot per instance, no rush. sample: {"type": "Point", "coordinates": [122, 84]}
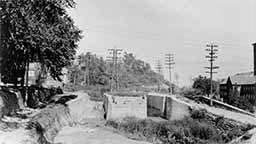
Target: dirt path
{"type": "Point", "coordinates": [87, 135]}
{"type": "Point", "coordinates": [244, 118]}
{"type": "Point", "coordinates": [88, 114]}
{"type": "Point", "coordinates": [230, 114]}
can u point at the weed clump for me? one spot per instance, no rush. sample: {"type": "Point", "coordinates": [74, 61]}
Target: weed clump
{"type": "Point", "coordinates": [198, 114]}
{"type": "Point", "coordinates": [200, 128]}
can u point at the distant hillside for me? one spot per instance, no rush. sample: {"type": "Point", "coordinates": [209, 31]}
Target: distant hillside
{"type": "Point", "coordinates": [132, 72]}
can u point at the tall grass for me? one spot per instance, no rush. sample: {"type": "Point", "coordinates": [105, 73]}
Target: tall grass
{"type": "Point", "coordinates": [198, 129]}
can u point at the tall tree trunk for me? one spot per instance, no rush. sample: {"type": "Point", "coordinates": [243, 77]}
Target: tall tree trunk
{"type": "Point", "coordinates": [26, 89]}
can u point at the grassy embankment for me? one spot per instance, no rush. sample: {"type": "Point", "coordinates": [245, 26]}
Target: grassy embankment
{"type": "Point", "coordinates": [200, 128]}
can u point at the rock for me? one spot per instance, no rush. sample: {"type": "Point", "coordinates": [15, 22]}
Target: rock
{"type": "Point", "coordinates": [9, 104]}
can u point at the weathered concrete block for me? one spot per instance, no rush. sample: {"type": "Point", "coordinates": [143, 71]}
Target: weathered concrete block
{"type": "Point", "coordinates": [156, 102]}
{"type": "Point", "coordinates": [118, 107]}
{"type": "Point", "coordinates": [169, 106]}
{"type": "Point", "coordinates": [176, 109]}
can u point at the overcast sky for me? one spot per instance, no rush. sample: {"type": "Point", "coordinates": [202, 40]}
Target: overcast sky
{"type": "Point", "coordinates": [151, 28]}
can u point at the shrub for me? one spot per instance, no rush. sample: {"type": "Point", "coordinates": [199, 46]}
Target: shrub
{"type": "Point", "coordinates": [202, 131]}
{"type": "Point", "coordinates": [246, 136]}
{"type": "Point", "coordinates": [198, 114]}
{"type": "Point", "coordinates": [235, 132]}
{"type": "Point", "coordinates": [247, 127]}
{"type": "Point", "coordinates": [219, 121]}
{"type": "Point", "coordinates": [148, 128]}
{"type": "Point", "coordinates": [186, 131]}
{"type": "Point", "coordinates": [112, 123]}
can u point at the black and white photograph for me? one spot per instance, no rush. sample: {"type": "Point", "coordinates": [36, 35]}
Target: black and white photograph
{"type": "Point", "coordinates": [127, 71]}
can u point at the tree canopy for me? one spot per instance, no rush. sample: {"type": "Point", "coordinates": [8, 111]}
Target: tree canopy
{"type": "Point", "coordinates": [132, 72]}
{"type": "Point", "coordinates": [37, 31]}
{"type": "Point", "coordinates": [204, 85]}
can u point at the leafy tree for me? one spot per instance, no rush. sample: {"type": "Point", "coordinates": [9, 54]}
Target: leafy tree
{"type": "Point", "coordinates": [94, 69]}
{"type": "Point", "coordinates": [204, 85]}
{"type": "Point", "coordinates": [37, 31]}
{"type": "Point", "coordinates": [135, 72]}
{"type": "Point", "coordinates": [74, 74]}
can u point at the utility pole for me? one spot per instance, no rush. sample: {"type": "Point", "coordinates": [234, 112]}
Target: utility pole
{"type": "Point", "coordinates": [114, 58]}
{"type": "Point", "coordinates": [169, 62]}
{"type": "Point", "coordinates": [2, 34]}
{"type": "Point", "coordinates": [1, 40]}
{"type": "Point", "coordinates": [211, 58]}
{"type": "Point", "coordinates": [159, 68]}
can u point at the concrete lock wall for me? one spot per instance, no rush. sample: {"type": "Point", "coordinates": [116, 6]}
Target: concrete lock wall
{"type": "Point", "coordinates": [176, 109]}
{"type": "Point", "coordinates": [118, 107]}
{"type": "Point", "coordinates": [169, 106]}
{"type": "Point", "coordinates": [156, 102]}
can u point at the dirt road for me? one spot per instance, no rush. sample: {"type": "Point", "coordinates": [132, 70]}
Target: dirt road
{"type": "Point", "coordinates": [87, 115]}
{"type": "Point", "coordinates": [244, 118]}
{"type": "Point", "coordinates": [87, 135]}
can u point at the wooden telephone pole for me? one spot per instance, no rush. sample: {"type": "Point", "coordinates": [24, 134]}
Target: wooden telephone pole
{"type": "Point", "coordinates": [159, 69]}
{"type": "Point", "coordinates": [211, 58]}
{"type": "Point", "coordinates": [169, 62]}
{"type": "Point", "coordinates": [114, 59]}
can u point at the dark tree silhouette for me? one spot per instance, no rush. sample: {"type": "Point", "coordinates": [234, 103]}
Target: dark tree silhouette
{"type": "Point", "coordinates": [37, 31]}
{"type": "Point", "coordinates": [203, 84]}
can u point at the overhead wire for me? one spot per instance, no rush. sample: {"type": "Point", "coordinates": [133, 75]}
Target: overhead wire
{"type": "Point", "coordinates": [161, 36]}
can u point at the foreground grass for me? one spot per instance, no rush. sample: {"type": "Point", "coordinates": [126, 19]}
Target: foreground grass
{"type": "Point", "coordinates": [200, 128]}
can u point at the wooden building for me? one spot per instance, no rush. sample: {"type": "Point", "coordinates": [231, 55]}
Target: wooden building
{"type": "Point", "coordinates": [242, 84]}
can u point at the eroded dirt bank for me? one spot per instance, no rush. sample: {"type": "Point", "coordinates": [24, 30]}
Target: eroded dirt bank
{"type": "Point", "coordinates": [38, 128]}
{"type": "Point", "coordinates": [41, 126]}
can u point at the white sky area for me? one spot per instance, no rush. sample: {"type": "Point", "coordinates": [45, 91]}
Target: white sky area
{"type": "Point", "coordinates": [151, 28]}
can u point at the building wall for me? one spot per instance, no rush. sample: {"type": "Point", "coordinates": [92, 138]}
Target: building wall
{"type": "Point", "coordinates": [33, 73]}
{"type": "Point", "coordinates": [254, 58]}
{"type": "Point", "coordinates": [223, 91]}
{"type": "Point", "coordinates": [118, 107]}
{"type": "Point", "coordinates": [247, 91]}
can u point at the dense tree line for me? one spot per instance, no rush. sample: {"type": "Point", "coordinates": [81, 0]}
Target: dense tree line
{"type": "Point", "coordinates": [203, 85]}
{"type": "Point", "coordinates": [92, 70]}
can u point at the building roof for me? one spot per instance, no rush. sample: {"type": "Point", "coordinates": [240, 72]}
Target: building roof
{"type": "Point", "coordinates": [242, 78]}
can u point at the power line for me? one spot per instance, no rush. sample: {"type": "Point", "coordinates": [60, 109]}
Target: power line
{"type": "Point", "coordinates": [114, 59]}
{"type": "Point", "coordinates": [169, 62]}
{"type": "Point", "coordinates": [211, 58]}
{"type": "Point", "coordinates": [159, 36]}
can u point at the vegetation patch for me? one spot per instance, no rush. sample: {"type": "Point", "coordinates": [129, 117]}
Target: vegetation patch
{"type": "Point", "coordinates": [200, 128]}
